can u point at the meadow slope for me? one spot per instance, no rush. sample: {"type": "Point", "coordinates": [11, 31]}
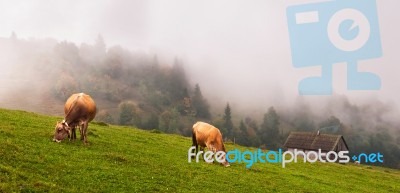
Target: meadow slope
{"type": "Point", "coordinates": [123, 159]}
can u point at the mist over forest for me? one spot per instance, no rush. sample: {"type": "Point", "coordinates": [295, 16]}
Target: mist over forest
{"type": "Point", "coordinates": [138, 89]}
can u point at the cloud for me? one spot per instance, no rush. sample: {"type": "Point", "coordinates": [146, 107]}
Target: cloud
{"type": "Point", "coordinates": [242, 47]}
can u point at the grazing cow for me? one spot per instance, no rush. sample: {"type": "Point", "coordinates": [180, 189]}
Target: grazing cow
{"type": "Point", "coordinates": [208, 136]}
{"type": "Point", "coordinates": [79, 110]}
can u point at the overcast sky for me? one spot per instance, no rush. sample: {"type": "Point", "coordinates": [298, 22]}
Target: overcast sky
{"type": "Point", "coordinates": [238, 51]}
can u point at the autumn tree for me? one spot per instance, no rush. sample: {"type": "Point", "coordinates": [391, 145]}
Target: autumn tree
{"type": "Point", "coordinates": [169, 121]}
{"type": "Point", "coordinates": [152, 122]}
{"type": "Point", "coordinates": [105, 116]}
{"type": "Point", "coordinates": [128, 114]}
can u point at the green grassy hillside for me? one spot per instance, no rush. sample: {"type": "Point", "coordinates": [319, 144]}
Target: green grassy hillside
{"type": "Point", "coordinates": [122, 159]}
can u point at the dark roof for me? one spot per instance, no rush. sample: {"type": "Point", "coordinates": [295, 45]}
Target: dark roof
{"type": "Point", "coordinates": [312, 141]}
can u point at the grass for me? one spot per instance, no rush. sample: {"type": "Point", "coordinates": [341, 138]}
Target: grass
{"type": "Point", "coordinates": [123, 159]}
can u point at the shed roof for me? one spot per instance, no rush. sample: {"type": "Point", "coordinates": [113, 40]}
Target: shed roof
{"type": "Point", "coordinates": [313, 141]}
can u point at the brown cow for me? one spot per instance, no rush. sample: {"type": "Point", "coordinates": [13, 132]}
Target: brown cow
{"type": "Point", "coordinates": [79, 110]}
{"type": "Point", "coordinates": [208, 136]}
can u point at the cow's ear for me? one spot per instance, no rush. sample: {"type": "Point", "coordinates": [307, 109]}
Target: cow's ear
{"type": "Point", "coordinates": [65, 123]}
{"type": "Point", "coordinates": [66, 128]}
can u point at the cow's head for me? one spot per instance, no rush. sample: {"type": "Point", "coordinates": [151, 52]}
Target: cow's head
{"type": "Point", "coordinates": [225, 163]}
{"type": "Point", "coordinates": [62, 130]}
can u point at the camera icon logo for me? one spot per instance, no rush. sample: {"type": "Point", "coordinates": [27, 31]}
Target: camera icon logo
{"type": "Point", "coordinates": [325, 33]}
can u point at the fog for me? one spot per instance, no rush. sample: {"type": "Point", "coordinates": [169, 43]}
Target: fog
{"type": "Point", "coordinates": [238, 51]}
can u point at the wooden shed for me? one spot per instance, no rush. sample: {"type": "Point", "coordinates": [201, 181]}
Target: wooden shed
{"type": "Point", "coordinates": [313, 141]}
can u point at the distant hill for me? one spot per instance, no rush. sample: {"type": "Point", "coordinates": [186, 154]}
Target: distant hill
{"type": "Point", "coordinates": [125, 159]}
{"type": "Point", "coordinates": [40, 74]}
{"type": "Point", "coordinates": [137, 89]}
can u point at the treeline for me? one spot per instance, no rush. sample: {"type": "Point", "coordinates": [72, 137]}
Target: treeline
{"type": "Point", "coordinates": [274, 129]}
{"type": "Point", "coordinates": [137, 89]}
{"type": "Point", "coordinates": [130, 88]}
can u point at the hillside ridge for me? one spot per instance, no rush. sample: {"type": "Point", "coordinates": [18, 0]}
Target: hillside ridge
{"type": "Point", "coordinates": [125, 159]}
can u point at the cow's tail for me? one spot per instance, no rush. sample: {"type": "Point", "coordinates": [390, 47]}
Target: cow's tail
{"type": "Point", "coordinates": [194, 142]}
{"type": "Point", "coordinates": [72, 106]}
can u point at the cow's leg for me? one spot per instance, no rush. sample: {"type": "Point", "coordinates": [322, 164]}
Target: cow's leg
{"type": "Point", "coordinates": [195, 151]}
{"type": "Point", "coordinates": [74, 133]}
{"type": "Point", "coordinates": [81, 131]}
{"type": "Point", "coordinates": [202, 150]}
{"type": "Point", "coordinates": [80, 127]}
{"type": "Point", "coordinates": [197, 148]}
{"type": "Point", "coordinates": [84, 131]}
{"type": "Point", "coordinates": [70, 136]}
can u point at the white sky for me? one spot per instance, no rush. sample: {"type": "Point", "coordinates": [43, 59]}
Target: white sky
{"type": "Point", "coordinates": [237, 50]}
